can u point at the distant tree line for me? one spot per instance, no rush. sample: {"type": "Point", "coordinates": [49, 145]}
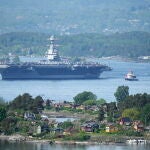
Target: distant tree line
{"type": "Point", "coordinates": [130, 44]}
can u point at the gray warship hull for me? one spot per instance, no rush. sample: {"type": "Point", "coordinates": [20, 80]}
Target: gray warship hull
{"type": "Point", "coordinates": [45, 72]}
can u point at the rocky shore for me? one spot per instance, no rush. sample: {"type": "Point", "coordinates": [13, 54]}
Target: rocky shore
{"type": "Point", "coordinates": [17, 138]}
{"type": "Point", "coordinates": [99, 140]}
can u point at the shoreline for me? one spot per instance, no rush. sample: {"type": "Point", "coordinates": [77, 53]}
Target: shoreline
{"type": "Point", "coordinates": [19, 138]}
{"type": "Point", "coordinates": [124, 59]}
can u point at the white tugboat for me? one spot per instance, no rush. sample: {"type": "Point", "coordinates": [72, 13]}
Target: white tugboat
{"type": "Point", "coordinates": [130, 76]}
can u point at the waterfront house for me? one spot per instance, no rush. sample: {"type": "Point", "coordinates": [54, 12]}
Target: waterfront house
{"type": "Point", "coordinates": [138, 126]}
{"type": "Point", "coordinates": [80, 107]}
{"type": "Point", "coordinates": [89, 126]}
{"type": "Point", "coordinates": [58, 131]}
{"type": "Point", "coordinates": [69, 131]}
{"type": "Point", "coordinates": [44, 118]}
{"type": "Point", "coordinates": [38, 130]}
{"type": "Point", "coordinates": [125, 121]}
{"type": "Point", "coordinates": [67, 104]}
{"type": "Point", "coordinates": [147, 128]}
{"type": "Point", "coordinates": [57, 105]}
{"type": "Point", "coordinates": [110, 128]}
{"type": "Point", "coordinates": [45, 128]}
{"type": "Point", "coordinates": [93, 108]}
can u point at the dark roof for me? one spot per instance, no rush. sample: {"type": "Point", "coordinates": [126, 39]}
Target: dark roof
{"type": "Point", "coordinates": [90, 124]}
{"type": "Point", "coordinates": [125, 119]}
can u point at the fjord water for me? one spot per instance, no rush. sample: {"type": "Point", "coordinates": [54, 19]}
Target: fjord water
{"type": "Point", "coordinates": [104, 87]}
{"type": "Point", "coordinates": [45, 146]}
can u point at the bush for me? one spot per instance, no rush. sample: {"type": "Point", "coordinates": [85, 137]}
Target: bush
{"type": "Point", "coordinates": [78, 137]}
{"type": "Point", "coordinates": [84, 96]}
{"type": "Point", "coordinates": [130, 133]}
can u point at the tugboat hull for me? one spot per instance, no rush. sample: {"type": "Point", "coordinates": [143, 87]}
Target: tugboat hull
{"type": "Point", "coordinates": [131, 79]}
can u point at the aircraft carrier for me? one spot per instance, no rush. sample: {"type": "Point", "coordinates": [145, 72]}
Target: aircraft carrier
{"type": "Point", "coordinates": [52, 68]}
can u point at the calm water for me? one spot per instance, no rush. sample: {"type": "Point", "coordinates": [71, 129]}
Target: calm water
{"type": "Point", "coordinates": [39, 146]}
{"type": "Point", "coordinates": [63, 119]}
{"type": "Point", "coordinates": [104, 87]}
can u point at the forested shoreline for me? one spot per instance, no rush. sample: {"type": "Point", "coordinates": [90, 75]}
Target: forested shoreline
{"type": "Point", "coordinates": [128, 116]}
{"type": "Point", "coordinates": [129, 44]}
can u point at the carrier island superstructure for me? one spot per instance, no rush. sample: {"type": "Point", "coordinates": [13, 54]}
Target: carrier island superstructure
{"type": "Point", "coordinates": [52, 68]}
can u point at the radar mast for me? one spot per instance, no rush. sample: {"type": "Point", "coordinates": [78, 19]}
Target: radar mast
{"type": "Point", "coordinates": [52, 52]}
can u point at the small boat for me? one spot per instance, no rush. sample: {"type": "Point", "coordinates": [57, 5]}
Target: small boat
{"type": "Point", "coordinates": [136, 141]}
{"type": "Point", "coordinates": [130, 76]}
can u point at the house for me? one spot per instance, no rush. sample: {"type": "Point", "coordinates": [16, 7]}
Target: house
{"type": "Point", "coordinates": [57, 131]}
{"type": "Point", "coordinates": [42, 128]}
{"type": "Point", "coordinates": [125, 121]}
{"type": "Point", "coordinates": [80, 107]}
{"type": "Point", "coordinates": [147, 128]}
{"type": "Point", "coordinates": [89, 126]}
{"type": "Point", "coordinates": [44, 118]}
{"type": "Point", "coordinates": [29, 116]}
{"type": "Point", "coordinates": [57, 105]}
{"type": "Point", "coordinates": [93, 108]}
{"type": "Point", "coordinates": [69, 131]}
{"type": "Point", "coordinates": [110, 128]}
{"type": "Point", "coordinates": [38, 130]}
{"type": "Point", "coordinates": [68, 105]}
{"type": "Point", "coordinates": [138, 126]}
{"type": "Point", "coordinates": [45, 128]}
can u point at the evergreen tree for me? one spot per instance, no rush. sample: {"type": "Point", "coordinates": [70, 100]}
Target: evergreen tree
{"type": "Point", "coordinates": [2, 113]}
{"type": "Point", "coordinates": [38, 104]}
{"type": "Point", "coordinates": [121, 93]}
